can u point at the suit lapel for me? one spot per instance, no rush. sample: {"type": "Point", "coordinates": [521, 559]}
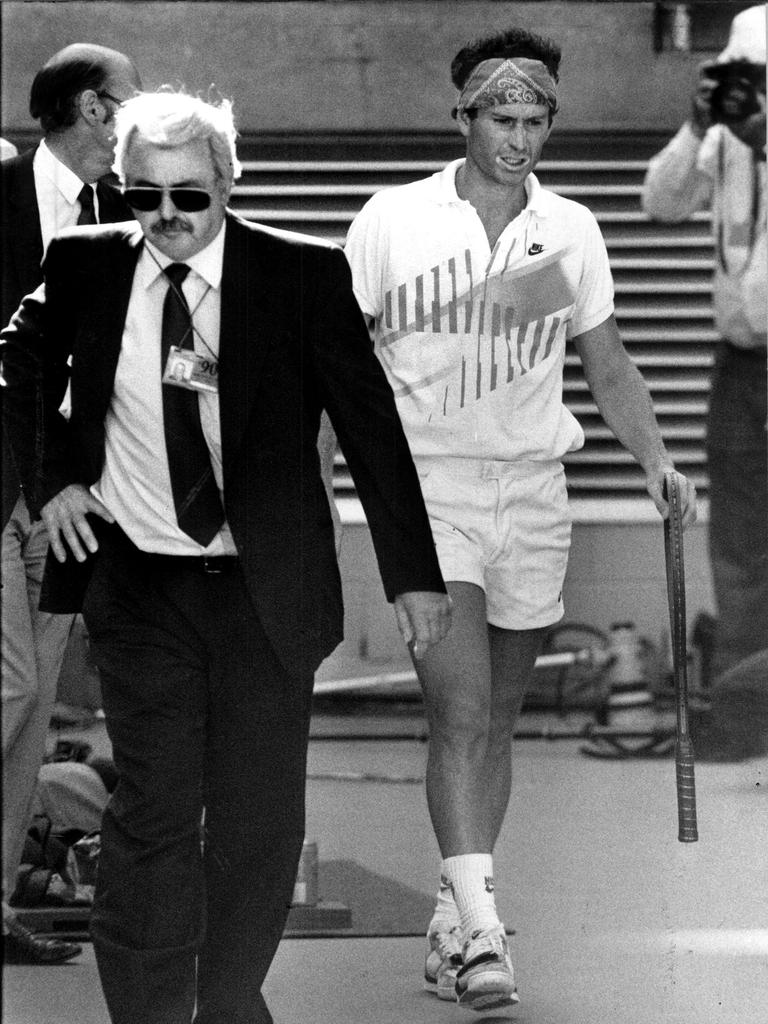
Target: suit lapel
{"type": "Point", "coordinates": [124, 268]}
{"type": "Point", "coordinates": [243, 336]}
{"type": "Point", "coordinates": [101, 337]}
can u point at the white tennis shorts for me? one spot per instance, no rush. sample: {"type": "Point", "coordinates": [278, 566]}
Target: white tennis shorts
{"type": "Point", "coordinates": [504, 526]}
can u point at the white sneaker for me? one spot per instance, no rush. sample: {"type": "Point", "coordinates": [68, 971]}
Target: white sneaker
{"type": "Point", "coordinates": [486, 980]}
{"type": "Point", "coordinates": [442, 961]}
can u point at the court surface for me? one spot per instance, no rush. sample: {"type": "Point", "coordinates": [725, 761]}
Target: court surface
{"type": "Point", "coordinates": [615, 921]}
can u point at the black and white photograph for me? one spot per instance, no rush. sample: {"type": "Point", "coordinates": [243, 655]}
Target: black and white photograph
{"type": "Point", "coordinates": [384, 577]}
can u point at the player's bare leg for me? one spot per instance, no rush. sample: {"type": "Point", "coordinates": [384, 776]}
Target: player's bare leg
{"type": "Point", "coordinates": [513, 656]}
{"type": "Point", "coordinates": [473, 684]}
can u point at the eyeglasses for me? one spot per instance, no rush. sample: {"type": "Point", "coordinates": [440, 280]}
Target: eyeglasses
{"type": "Point", "coordinates": [109, 96]}
{"type": "Point", "coordinates": [188, 200]}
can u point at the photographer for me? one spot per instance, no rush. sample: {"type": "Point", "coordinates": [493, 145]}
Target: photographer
{"type": "Point", "coordinates": [717, 161]}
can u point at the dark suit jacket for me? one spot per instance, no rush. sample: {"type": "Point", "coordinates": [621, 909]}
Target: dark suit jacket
{"type": "Point", "coordinates": [292, 342]}
{"type": "Point", "coordinates": [21, 249]}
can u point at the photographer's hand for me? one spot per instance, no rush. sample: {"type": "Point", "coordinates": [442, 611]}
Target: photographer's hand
{"type": "Point", "coordinates": [701, 105]}
{"type": "Point", "coordinates": [751, 131]}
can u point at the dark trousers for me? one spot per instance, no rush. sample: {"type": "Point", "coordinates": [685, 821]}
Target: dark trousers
{"type": "Point", "coordinates": [737, 451]}
{"type": "Point", "coordinates": [202, 837]}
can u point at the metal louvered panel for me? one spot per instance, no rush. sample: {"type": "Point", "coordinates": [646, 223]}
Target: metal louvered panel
{"type": "Point", "coordinates": [663, 296]}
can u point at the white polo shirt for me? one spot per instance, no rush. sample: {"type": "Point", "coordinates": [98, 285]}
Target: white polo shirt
{"type": "Point", "coordinates": [473, 339]}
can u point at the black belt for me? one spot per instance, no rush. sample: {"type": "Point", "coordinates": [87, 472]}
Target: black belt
{"type": "Point", "coordinates": [112, 536]}
{"type": "Point", "coordinates": [212, 565]}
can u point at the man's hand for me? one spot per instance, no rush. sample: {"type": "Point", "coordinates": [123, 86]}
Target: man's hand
{"type": "Point", "coordinates": [751, 131]}
{"type": "Point", "coordinates": [701, 104]}
{"type": "Point", "coordinates": [654, 483]}
{"type": "Point", "coordinates": [424, 618]}
{"type": "Point", "coordinates": [64, 518]}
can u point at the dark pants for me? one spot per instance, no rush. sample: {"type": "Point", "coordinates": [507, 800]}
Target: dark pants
{"type": "Point", "coordinates": [737, 452]}
{"type": "Point", "coordinates": [205, 725]}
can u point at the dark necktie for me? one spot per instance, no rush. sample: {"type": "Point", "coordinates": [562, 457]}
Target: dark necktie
{"type": "Point", "coordinates": [198, 505]}
{"type": "Point", "coordinates": [87, 211]}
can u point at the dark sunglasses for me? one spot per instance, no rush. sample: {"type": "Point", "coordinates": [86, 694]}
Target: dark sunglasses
{"type": "Point", "coordinates": [188, 200]}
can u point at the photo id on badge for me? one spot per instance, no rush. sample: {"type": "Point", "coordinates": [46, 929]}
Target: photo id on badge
{"type": "Point", "coordinates": [188, 369]}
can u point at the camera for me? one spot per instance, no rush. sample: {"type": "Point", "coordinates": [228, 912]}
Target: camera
{"type": "Point", "coordinates": [734, 98]}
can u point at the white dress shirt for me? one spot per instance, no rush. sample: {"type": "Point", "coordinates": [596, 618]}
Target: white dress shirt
{"type": "Point", "coordinates": [57, 189]}
{"type": "Point", "coordinates": [7, 149]}
{"type": "Point", "coordinates": [135, 484]}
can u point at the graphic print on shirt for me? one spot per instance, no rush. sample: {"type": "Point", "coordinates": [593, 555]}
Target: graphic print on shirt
{"type": "Point", "coordinates": [453, 335]}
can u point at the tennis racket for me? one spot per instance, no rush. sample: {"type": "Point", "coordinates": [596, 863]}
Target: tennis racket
{"type": "Point", "coordinates": [673, 551]}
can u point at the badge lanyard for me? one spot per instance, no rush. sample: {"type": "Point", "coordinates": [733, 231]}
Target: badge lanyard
{"type": "Point", "coordinates": [184, 367]}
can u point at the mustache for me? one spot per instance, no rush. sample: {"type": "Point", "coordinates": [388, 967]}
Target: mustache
{"type": "Point", "coordinates": [162, 227]}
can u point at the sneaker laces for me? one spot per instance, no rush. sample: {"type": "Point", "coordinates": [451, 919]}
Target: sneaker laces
{"type": "Point", "coordinates": [447, 943]}
{"type": "Point", "coordinates": [485, 943]}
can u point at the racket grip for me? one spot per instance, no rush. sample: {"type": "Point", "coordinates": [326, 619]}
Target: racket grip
{"type": "Point", "coordinates": [686, 792]}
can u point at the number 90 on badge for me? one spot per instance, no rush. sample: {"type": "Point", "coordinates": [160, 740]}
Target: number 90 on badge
{"type": "Point", "coordinates": [185, 368]}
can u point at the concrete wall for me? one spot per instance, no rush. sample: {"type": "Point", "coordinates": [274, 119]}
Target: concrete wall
{"type": "Point", "coordinates": [356, 66]}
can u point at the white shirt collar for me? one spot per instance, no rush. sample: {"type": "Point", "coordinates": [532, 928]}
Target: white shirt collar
{"type": "Point", "coordinates": [208, 263]}
{"type": "Point", "coordinates": [446, 184]}
{"type": "Point", "coordinates": [538, 199]}
{"type": "Point", "coordinates": [65, 180]}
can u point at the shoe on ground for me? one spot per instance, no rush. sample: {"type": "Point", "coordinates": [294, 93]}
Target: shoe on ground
{"type": "Point", "coordinates": [486, 980]}
{"type": "Point", "coordinates": [443, 961]}
{"type": "Point", "coordinates": [21, 946]}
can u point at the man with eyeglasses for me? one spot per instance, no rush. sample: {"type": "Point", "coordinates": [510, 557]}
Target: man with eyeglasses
{"type": "Point", "coordinates": [51, 187]}
{"type": "Point", "coordinates": [186, 495]}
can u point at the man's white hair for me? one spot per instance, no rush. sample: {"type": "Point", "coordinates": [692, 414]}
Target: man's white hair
{"type": "Point", "coordinates": [169, 119]}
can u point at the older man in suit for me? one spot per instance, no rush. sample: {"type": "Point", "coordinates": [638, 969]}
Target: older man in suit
{"type": "Point", "coordinates": [185, 495]}
{"type": "Point", "coordinates": [51, 187]}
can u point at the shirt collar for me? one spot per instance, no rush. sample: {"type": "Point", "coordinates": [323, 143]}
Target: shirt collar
{"type": "Point", "coordinates": [537, 199]}
{"type": "Point", "coordinates": [208, 263]}
{"type": "Point", "coordinates": [65, 180]}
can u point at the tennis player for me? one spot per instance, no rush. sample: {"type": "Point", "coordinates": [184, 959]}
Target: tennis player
{"type": "Point", "coordinates": [476, 282]}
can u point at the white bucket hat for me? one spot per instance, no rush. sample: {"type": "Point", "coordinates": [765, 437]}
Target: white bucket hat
{"type": "Point", "coordinates": [747, 38]}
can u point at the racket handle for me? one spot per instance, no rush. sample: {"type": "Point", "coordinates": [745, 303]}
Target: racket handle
{"type": "Point", "coordinates": [686, 792]}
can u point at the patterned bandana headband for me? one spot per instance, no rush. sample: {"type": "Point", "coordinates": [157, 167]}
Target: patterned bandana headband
{"type": "Point", "coordinates": [497, 81]}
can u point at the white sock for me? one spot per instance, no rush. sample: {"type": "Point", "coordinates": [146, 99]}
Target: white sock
{"type": "Point", "coordinates": [446, 913]}
{"type": "Point", "coordinates": [471, 876]}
